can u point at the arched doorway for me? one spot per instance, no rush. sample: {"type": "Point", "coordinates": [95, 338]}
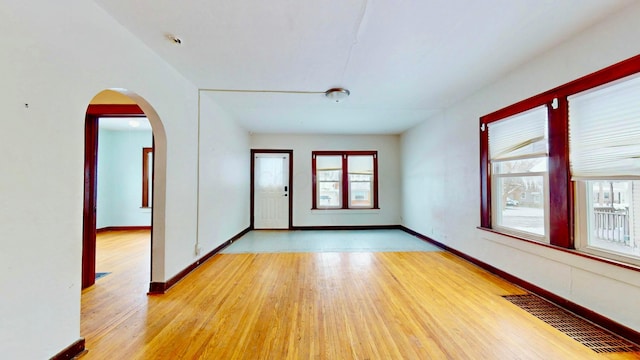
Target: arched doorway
{"type": "Point", "coordinates": [122, 103]}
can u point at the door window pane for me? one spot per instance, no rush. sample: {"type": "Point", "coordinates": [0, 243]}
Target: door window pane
{"type": "Point", "coordinates": [270, 172]}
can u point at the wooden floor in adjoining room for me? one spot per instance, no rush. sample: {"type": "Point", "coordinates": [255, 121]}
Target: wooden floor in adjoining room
{"type": "Point", "coordinates": [356, 305]}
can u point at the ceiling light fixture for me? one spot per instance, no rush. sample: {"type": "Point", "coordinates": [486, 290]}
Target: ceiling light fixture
{"type": "Point", "coordinates": [134, 123]}
{"type": "Point", "coordinates": [337, 94]}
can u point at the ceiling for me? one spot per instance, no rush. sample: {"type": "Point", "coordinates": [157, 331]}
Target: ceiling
{"type": "Point", "coordinates": [402, 60]}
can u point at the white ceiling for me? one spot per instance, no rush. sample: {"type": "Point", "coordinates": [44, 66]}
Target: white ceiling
{"type": "Point", "coordinates": [402, 60]}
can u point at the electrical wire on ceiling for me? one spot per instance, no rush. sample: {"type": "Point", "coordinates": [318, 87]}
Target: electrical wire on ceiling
{"type": "Point", "coordinates": [265, 91]}
{"type": "Point", "coordinates": [334, 94]}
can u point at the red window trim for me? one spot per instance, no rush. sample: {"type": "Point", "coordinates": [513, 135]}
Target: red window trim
{"type": "Point", "coordinates": [345, 178]}
{"type": "Point", "coordinates": [115, 110]}
{"type": "Point", "coordinates": [561, 206]}
{"type": "Point", "coordinates": [145, 176]}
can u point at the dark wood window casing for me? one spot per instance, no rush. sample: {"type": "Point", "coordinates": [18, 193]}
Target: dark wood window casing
{"type": "Point", "coordinates": [344, 191]}
{"type": "Point", "coordinates": [561, 199]}
{"type": "Point", "coordinates": [145, 176]}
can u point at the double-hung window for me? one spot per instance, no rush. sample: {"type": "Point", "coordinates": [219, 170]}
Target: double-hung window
{"type": "Point", "coordinates": [345, 179]}
{"type": "Point", "coordinates": [604, 138]}
{"type": "Point", "coordinates": [563, 167]}
{"type": "Point", "coordinates": [518, 151]}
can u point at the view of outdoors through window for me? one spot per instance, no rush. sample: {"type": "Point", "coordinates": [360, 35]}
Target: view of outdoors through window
{"type": "Point", "coordinates": [329, 176]}
{"type": "Point", "coordinates": [520, 188]}
{"type": "Point", "coordinates": [604, 137]}
{"type": "Point", "coordinates": [353, 190]}
{"type": "Point", "coordinates": [360, 180]}
{"type": "Point", "coordinates": [612, 209]}
{"type": "Point", "coordinates": [360, 190]}
{"type": "Point", "coordinates": [563, 167]}
{"type": "Point", "coordinates": [518, 152]}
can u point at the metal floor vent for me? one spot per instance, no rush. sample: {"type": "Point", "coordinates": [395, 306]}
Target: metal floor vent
{"type": "Point", "coordinates": [578, 329]}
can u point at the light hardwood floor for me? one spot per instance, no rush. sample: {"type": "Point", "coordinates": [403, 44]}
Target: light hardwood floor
{"type": "Point", "coordinates": [403, 305]}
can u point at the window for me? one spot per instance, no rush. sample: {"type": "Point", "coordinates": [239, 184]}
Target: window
{"type": "Point", "coordinates": [609, 226]}
{"type": "Point", "coordinates": [571, 157]}
{"type": "Point", "coordinates": [604, 140]}
{"type": "Point", "coordinates": [345, 179]}
{"type": "Point", "coordinates": [329, 181]}
{"type": "Point", "coordinates": [147, 177]}
{"type": "Point", "coordinates": [518, 149]}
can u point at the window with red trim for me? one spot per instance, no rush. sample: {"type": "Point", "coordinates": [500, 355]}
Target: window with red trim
{"type": "Point", "coordinates": [518, 155]}
{"type": "Point", "coordinates": [583, 171]}
{"type": "Point", "coordinates": [345, 179]}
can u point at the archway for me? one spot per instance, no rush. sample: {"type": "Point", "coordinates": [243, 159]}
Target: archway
{"type": "Point", "coordinates": [122, 103]}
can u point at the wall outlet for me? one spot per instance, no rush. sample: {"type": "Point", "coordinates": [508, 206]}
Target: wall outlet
{"type": "Point", "coordinates": [198, 250]}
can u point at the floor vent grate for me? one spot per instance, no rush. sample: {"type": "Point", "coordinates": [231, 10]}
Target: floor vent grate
{"type": "Point", "coordinates": [578, 329]}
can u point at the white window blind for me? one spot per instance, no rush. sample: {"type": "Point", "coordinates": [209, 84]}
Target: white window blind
{"type": "Point", "coordinates": [360, 164]}
{"type": "Point", "coordinates": [329, 162]}
{"type": "Point", "coordinates": [519, 136]}
{"type": "Point", "coordinates": [604, 131]}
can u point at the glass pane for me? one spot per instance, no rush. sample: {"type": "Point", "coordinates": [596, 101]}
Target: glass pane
{"type": "Point", "coordinates": [360, 194]}
{"type": "Point", "coordinates": [329, 193]}
{"type": "Point", "coordinates": [360, 181]}
{"type": "Point", "coordinates": [520, 166]}
{"type": "Point", "coordinates": [329, 175]}
{"type": "Point", "coordinates": [612, 208]}
{"type": "Point", "coordinates": [519, 203]}
{"type": "Point", "coordinates": [329, 180]}
{"type": "Point", "coordinates": [270, 173]}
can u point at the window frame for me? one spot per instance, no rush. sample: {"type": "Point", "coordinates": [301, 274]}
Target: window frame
{"type": "Point", "coordinates": [146, 173]}
{"type": "Point", "coordinates": [521, 233]}
{"type": "Point", "coordinates": [561, 192]}
{"type": "Point", "coordinates": [495, 196]}
{"type": "Point", "coordinates": [582, 229]}
{"type": "Point", "coordinates": [344, 181]}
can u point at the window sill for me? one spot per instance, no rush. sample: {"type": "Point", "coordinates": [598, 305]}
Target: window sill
{"type": "Point", "coordinates": [580, 253]}
{"type": "Point", "coordinates": [344, 211]}
{"type": "Point", "coordinates": [610, 255]}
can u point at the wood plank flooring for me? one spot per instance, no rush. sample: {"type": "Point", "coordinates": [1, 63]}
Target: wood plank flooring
{"type": "Point", "coordinates": [402, 305]}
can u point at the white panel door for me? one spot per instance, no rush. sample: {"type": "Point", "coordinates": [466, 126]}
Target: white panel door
{"type": "Point", "coordinates": [271, 191]}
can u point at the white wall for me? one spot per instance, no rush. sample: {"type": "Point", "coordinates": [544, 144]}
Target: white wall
{"type": "Point", "coordinates": [119, 195]}
{"type": "Point", "coordinates": [224, 177]}
{"type": "Point", "coordinates": [56, 57]}
{"type": "Point", "coordinates": [440, 167]}
{"type": "Point", "coordinates": [388, 147]}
